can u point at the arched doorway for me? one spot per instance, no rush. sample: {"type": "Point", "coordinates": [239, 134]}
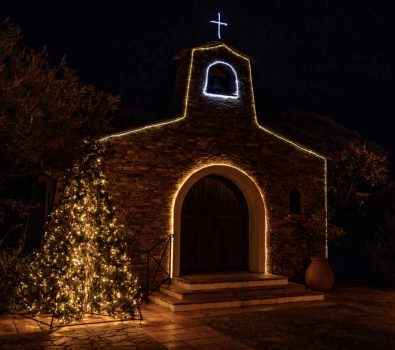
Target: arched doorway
{"type": "Point", "coordinates": [257, 221]}
{"type": "Point", "coordinates": [214, 227]}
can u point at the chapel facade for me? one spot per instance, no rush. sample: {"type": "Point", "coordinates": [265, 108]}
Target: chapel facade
{"type": "Point", "coordinates": [234, 195]}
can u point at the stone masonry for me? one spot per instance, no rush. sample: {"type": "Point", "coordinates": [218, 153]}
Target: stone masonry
{"type": "Point", "coordinates": [145, 167]}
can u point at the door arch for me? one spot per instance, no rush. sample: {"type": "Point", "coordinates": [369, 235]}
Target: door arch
{"type": "Point", "coordinates": [256, 213]}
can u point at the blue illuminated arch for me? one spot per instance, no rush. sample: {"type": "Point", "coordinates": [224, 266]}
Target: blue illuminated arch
{"type": "Point", "coordinates": [234, 95]}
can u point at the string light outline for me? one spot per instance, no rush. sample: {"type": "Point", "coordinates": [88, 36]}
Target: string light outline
{"type": "Point", "coordinates": [224, 164]}
{"type": "Point", "coordinates": [219, 25]}
{"type": "Point", "coordinates": [138, 129]}
{"type": "Point", "coordinates": [265, 129]}
{"type": "Point", "coordinates": [236, 96]}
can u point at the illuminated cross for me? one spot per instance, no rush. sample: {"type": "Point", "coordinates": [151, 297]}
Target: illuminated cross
{"type": "Point", "coordinates": [219, 25]}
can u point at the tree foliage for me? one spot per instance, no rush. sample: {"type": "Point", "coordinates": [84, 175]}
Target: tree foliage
{"type": "Point", "coordinates": [13, 270]}
{"type": "Point", "coordinates": [45, 112]}
{"type": "Point", "coordinates": [353, 161]}
{"type": "Point", "coordinates": [380, 234]}
{"type": "Point", "coordinates": [355, 165]}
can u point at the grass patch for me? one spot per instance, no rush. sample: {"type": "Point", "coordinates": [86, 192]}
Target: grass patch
{"type": "Point", "coordinates": [318, 328]}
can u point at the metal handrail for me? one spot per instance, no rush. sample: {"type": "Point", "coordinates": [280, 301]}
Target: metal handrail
{"type": "Point", "coordinates": [150, 285]}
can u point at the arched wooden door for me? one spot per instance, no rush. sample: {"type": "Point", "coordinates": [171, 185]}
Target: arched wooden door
{"type": "Point", "coordinates": [214, 227]}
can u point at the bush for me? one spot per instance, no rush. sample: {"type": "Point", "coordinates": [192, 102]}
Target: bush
{"type": "Point", "coordinates": [380, 235]}
{"type": "Point", "coordinates": [13, 269]}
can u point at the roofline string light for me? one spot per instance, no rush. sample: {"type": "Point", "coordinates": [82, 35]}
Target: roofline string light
{"type": "Point", "coordinates": [132, 131]}
{"type": "Point", "coordinates": [235, 96]}
{"type": "Point", "coordinates": [278, 136]}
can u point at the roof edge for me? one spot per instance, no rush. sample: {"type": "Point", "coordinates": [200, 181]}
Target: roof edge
{"type": "Point", "coordinates": [213, 44]}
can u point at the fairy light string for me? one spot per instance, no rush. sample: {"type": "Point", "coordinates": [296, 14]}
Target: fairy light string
{"type": "Point", "coordinates": [83, 265]}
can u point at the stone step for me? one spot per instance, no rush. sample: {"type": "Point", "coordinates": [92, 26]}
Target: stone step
{"type": "Point", "coordinates": [175, 305]}
{"type": "Point", "coordinates": [179, 293]}
{"type": "Point", "coordinates": [228, 280]}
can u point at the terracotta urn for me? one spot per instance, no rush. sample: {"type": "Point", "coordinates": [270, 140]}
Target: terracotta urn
{"type": "Point", "coordinates": [319, 275]}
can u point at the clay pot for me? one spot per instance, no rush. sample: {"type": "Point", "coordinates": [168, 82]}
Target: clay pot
{"type": "Point", "coordinates": [319, 275]}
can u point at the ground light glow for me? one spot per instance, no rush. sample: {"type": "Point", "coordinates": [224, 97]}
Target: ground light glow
{"type": "Point", "coordinates": [278, 136]}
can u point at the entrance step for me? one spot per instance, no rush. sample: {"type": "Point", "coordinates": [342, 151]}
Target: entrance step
{"type": "Point", "coordinates": [228, 280]}
{"type": "Point", "coordinates": [235, 291]}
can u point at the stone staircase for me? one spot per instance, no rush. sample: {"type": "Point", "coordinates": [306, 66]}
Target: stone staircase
{"type": "Point", "coordinates": [199, 292]}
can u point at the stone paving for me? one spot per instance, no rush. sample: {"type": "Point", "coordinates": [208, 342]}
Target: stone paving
{"type": "Point", "coordinates": [351, 318]}
{"type": "Point", "coordinates": [161, 329]}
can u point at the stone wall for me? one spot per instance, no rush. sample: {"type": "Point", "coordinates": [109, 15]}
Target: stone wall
{"type": "Point", "coordinates": [146, 167]}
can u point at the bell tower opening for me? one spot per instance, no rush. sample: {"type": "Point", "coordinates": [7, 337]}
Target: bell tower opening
{"type": "Point", "coordinates": [221, 81]}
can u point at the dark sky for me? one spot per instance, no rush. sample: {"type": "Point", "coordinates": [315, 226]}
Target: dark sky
{"type": "Point", "coordinates": [329, 56]}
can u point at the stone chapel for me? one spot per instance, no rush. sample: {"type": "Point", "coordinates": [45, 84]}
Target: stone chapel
{"type": "Point", "coordinates": [220, 193]}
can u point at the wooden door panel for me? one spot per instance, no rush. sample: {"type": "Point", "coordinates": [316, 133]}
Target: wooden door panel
{"type": "Point", "coordinates": [214, 228]}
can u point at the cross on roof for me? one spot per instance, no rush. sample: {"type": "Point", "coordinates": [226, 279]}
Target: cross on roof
{"type": "Point", "coordinates": [219, 24]}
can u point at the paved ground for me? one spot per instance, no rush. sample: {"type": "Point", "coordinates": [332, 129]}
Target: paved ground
{"type": "Point", "coordinates": [162, 329]}
{"type": "Point", "coordinates": [351, 318]}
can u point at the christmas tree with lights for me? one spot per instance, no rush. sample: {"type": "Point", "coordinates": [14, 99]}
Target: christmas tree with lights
{"type": "Point", "coordinates": [83, 265]}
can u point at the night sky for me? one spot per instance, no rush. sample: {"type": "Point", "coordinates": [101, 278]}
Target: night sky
{"type": "Point", "coordinates": [332, 57]}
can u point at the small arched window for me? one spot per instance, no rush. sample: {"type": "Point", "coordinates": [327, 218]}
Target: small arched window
{"type": "Point", "coordinates": [295, 202]}
{"type": "Point", "coordinates": [221, 81]}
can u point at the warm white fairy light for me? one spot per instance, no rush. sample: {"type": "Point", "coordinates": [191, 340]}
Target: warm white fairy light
{"type": "Point", "coordinates": [236, 81]}
{"type": "Point", "coordinates": [83, 266]}
{"type": "Point", "coordinates": [195, 170]}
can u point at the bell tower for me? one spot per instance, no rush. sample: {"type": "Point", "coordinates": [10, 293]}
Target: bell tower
{"type": "Point", "coordinates": [214, 79]}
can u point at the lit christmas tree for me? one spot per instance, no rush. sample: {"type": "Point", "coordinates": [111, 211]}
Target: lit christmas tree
{"type": "Point", "coordinates": [83, 265]}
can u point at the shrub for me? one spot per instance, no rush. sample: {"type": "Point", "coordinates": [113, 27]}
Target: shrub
{"type": "Point", "coordinates": [380, 235]}
{"type": "Point", "coordinates": [13, 269]}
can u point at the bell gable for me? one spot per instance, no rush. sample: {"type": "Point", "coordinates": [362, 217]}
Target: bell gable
{"type": "Point", "coordinates": [214, 78]}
